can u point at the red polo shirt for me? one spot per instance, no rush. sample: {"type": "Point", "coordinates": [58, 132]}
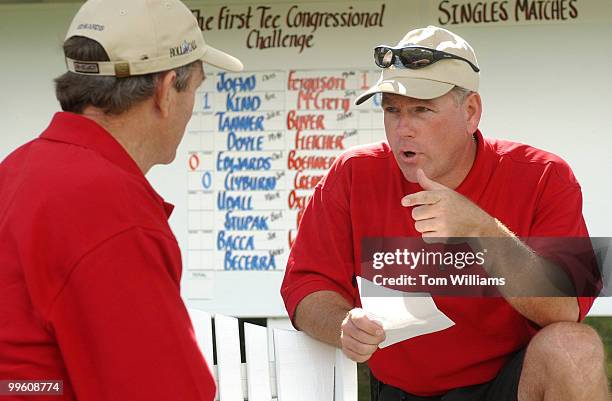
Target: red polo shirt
{"type": "Point", "coordinates": [90, 273]}
{"type": "Point", "coordinates": [532, 192]}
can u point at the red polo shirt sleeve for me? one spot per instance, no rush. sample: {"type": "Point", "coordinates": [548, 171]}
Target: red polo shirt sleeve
{"type": "Point", "coordinates": [122, 327]}
{"type": "Point", "coordinates": [564, 236]}
{"type": "Point", "coordinates": [322, 255]}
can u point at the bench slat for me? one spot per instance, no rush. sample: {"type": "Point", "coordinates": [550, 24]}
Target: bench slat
{"type": "Point", "coordinates": [304, 367]}
{"type": "Point", "coordinates": [257, 365]}
{"type": "Point", "coordinates": [202, 327]}
{"type": "Point", "coordinates": [228, 358]}
{"type": "Point", "coordinates": [346, 378]}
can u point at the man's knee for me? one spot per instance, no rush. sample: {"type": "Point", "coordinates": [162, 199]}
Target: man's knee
{"type": "Point", "coordinates": [568, 347]}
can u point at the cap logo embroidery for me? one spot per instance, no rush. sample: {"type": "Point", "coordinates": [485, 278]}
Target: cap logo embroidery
{"type": "Point", "coordinates": [91, 27]}
{"type": "Point", "coordinates": [86, 68]}
{"type": "Point", "coordinates": [184, 48]}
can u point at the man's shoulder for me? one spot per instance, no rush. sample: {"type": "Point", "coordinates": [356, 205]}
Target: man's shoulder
{"type": "Point", "coordinates": [367, 162]}
{"type": "Point", "coordinates": [60, 202]}
{"type": "Point", "coordinates": [78, 171]}
{"type": "Point", "coordinates": [371, 152]}
{"type": "Point", "coordinates": [55, 178]}
{"type": "Point", "coordinates": [522, 153]}
{"type": "Point", "coordinates": [528, 160]}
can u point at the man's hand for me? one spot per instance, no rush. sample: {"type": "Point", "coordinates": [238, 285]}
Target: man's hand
{"type": "Point", "coordinates": [360, 335]}
{"type": "Point", "coordinates": [441, 212]}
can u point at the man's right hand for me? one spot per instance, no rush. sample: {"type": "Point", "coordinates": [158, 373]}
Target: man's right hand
{"type": "Point", "coordinates": [360, 335]}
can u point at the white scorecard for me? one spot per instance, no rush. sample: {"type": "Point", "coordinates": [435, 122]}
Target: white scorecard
{"type": "Point", "coordinates": [403, 315]}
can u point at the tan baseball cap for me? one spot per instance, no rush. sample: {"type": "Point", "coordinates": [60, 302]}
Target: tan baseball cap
{"type": "Point", "coordinates": [434, 80]}
{"type": "Point", "coordinates": [143, 37]}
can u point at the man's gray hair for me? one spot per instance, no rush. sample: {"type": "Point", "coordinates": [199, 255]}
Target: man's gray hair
{"type": "Point", "coordinates": [112, 95]}
{"type": "Point", "coordinates": [460, 94]}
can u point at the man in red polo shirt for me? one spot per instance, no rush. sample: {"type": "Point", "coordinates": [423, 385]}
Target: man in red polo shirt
{"type": "Point", "coordinates": [89, 268]}
{"type": "Point", "coordinates": [437, 176]}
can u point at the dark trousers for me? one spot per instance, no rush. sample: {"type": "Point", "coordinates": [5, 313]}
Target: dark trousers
{"type": "Point", "coordinates": [504, 387]}
{"type": "Point", "coordinates": [382, 392]}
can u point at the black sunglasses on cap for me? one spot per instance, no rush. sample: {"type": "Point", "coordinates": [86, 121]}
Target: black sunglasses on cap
{"type": "Point", "coordinates": [413, 57]}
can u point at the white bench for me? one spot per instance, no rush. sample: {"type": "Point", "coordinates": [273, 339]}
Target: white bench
{"type": "Point", "coordinates": [298, 368]}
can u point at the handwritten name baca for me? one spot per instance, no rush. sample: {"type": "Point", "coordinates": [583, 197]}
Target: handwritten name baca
{"type": "Point", "coordinates": [487, 12]}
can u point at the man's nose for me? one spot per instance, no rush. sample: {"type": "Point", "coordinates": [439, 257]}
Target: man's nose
{"type": "Point", "coordinates": [405, 127]}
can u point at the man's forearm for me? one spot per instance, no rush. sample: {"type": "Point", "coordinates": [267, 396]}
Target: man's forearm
{"type": "Point", "coordinates": [529, 274]}
{"type": "Point", "coordinates": [546, 310]}
{"type": "Point", "coordinates": [320, 315]}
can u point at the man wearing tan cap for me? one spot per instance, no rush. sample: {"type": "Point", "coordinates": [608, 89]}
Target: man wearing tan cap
{"type": "Point", "coordinates": [438, 176]}
{"type": "Point", "coordinates": [89, 268]}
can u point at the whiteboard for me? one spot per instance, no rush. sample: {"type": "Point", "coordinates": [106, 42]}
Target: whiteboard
{"type": "Point", "coordinates": [535, 85]}
{"type": "Point", "coordinates": [257, 144]}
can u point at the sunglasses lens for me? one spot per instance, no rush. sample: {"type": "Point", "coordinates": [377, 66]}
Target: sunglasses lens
{"type": "Point", "coordinates": [383, 56]}
{"type": "Point", "coordinates": [388, 57]}
{"type": "Point", "coordinates": [416, 58]}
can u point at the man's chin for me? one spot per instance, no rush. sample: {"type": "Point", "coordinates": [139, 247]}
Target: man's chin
{"type": "Point", "coordinates": [410, 176]}
{"type": "Point", "coordinates": [167, 160]}
{"type": "Point", "coordinates": [171, 158]}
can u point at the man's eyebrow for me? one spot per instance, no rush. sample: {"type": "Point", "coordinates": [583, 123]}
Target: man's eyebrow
{"type": "Point", "coordinates": [385, 102]}
{"type": "Point", "coordinates": [428, 102]}
{"type": "Point", "coordinates": [417, 102]}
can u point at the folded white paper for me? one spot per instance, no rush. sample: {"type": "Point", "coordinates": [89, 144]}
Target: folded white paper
{"type": "Point", "coordinates": [403, 315]}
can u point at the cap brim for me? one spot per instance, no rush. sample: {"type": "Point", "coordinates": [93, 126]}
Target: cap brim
{"type": "Point", "coordinates": [412, 87]}
{"type": "Point", "coordinates": [221, 60]}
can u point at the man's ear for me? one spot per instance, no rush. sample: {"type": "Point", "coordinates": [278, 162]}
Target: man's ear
{"type": "Point", "coordinates": [164, 92]}
{"type": "Point", "coordinates": [473, 111]}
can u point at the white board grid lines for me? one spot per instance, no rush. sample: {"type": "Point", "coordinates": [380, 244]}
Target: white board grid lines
{"type": "Point", "coordinates": [303, 369]}
{"type": "Point", "coordinates": [258, 143]}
